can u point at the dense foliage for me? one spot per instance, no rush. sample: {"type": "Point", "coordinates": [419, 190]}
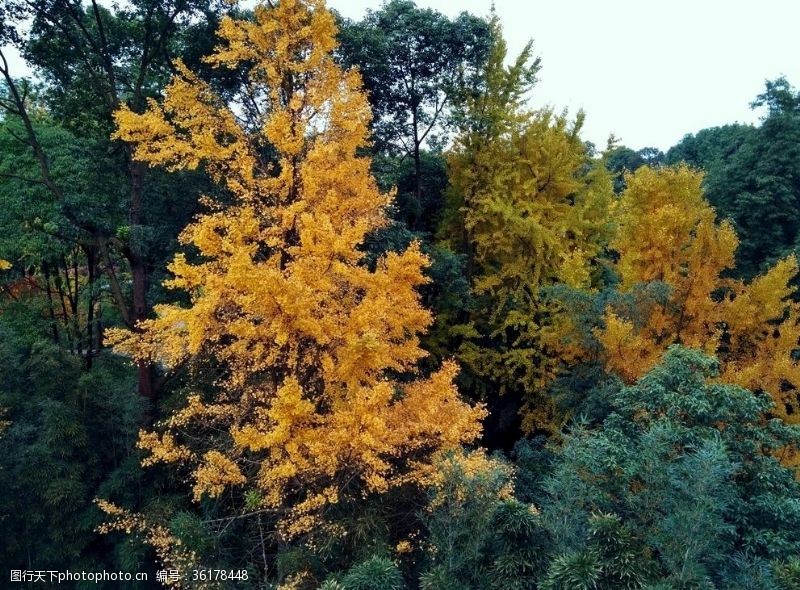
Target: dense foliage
{"type": "Point", "coordinates": [325, 303]}
{"type": "Point", "coordinates": [753, 176]}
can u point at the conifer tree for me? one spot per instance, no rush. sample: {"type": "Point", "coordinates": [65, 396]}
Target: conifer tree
{"type": "Point", "coordinates": [319, 401]}
{"type": "Point", "coordinates": [679, 486]}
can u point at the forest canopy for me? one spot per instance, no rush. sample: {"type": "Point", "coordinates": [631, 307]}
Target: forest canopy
{"type": "Point", "coordinates": [295, 301]}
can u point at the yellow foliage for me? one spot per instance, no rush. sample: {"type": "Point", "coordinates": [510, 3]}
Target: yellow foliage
{"type": "Point", "coordinates": [529, 207]}
{"type": "Point", "coordinates": [529, 212]}
{"type": "Point", "coordinates": [403, 547]}
{"type": "Point", "coordinates": [533, 217]}
{"type": "Point", "coordinates": [162, 448]}
{"type": "Point", "coordinates": [667, 232]}
{"type": "Point", "coordinates": [214, 473]}
{"type": "Point", "coordinates": [307, 334]}
{"type": "Point", "coordinates": [4, 264]}
{"type": "Point", "coordinates": [627, 353]}
{"type": "Point", "coordinates": [763, 325]}
{"type": "Point", "coordinates": [169, 550]}
{"type": "Point", "coordinates": [460, 473]}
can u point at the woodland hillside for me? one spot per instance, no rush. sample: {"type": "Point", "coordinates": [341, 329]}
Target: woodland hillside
{"type": "Point", "coordinates": [294, 301]}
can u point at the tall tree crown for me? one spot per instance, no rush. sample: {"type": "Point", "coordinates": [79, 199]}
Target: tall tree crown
{"type": "Point", "coordinates": [309, 337]}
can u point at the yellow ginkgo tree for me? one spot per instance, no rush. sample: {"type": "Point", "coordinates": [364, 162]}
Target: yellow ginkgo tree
{"type": "Point", "coordinates": [318, 401]}
{"type": "Point", "coordinates": [667, 232]}
{"type": "Point", "coordinates": [528, 206]}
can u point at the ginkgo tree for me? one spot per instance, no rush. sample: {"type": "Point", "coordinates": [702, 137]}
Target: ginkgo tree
{"type": "Point", "coordinates": [667, 233]}
{"type": "Point", "coordinates": [528, 207]}
{"type": "Point", "coordinates": [319, 401]}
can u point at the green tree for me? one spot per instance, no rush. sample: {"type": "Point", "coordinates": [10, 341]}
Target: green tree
{"type": "Point", "coordinates": [69, 436]}
{"type": "Point", "coordinates": [620, 160]}
{"type": "Point", "coordinates": [89, 60]}
{"type": "Point", "coordinates": [610, 559]}
{"type": "Point", "coordinates": [84, 229]}
{"type": "Point", "coordinates": [415, 63]}
{"type": "Point", "coordinates": [480, 535]}
{"type": "Point", "coordinates": [710, 147]}
{"type": "Point", "coordinates": [753, 176]}
{"type": "Point", "coordinates": [686, 467]}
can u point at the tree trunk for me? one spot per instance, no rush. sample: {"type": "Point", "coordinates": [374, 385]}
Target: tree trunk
{"type": "Point", "coordinates": [417, 165]}
{"type": "Point", "coordinates": [90, 342]}
{"type": "Point", "coordinates": [145, 376]}
{"type": "Point", "coordinates": [50, 304]}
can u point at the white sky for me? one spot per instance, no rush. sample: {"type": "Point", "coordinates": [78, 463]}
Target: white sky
{"type": "Point", "coordinates": [648, 72]}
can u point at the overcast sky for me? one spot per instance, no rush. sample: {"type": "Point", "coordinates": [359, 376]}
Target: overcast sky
{"type": "Point", "coordinates": [648, 72]}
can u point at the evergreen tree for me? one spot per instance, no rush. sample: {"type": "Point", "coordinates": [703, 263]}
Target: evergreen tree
{"type": "Point", "coordinates": [683, 475]}
{"type": "Point", "coordinates": [753, 177]}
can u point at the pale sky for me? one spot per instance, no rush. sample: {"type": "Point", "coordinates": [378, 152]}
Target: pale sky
{"type": "Point", "coordinates": [648, 72]}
